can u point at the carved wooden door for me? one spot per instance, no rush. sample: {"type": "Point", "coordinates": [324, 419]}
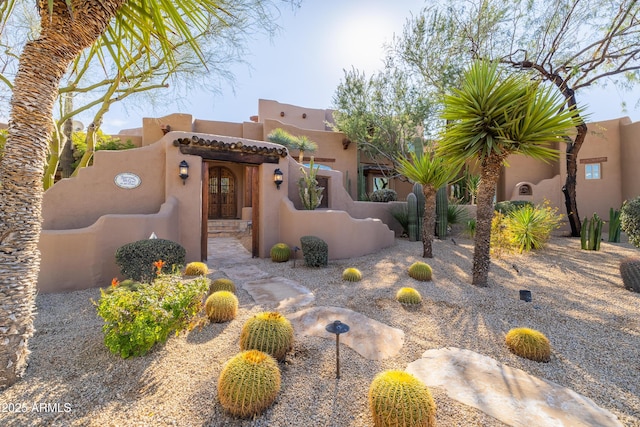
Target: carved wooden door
{"type": "Point", "coordinates": [222, 193]}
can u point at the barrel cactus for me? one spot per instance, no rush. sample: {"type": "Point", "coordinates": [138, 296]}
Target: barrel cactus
{"type": "Point", "coordinates": [270, 332]}
{"type": "Point", "coordinates": [249, 383]}
{"type": "Point", "coordinates": [420, 271]}
{"type": "Point", "coordinates": [196, 269]}
{"type": "Point", "coordinates": [408, 296]}
{"type": "Point", "coordinates": [221, 306]}
{"type": "Point", "coordinates": [630, 272]}
{"type": "Point", "coordinates": [351, 275]}
{"type": "Point", "coordinates": [222, 284]}
{"type": "Point", "coordinates": [280, 252]}
{"type": "Point", "coordinates": [529, 343]}
{"type": "Point", "coordinates": [397, 398]}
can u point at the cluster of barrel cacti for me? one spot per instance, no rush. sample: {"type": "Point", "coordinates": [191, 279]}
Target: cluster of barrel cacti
{"type": "Point", "coordinates": [397, 398]}
{"type": "Point", "coordinates": [630, 272]}
{"type": "Point", "coordinates": [529, 343]}
{"type": "Point", "coordinates": [591, 233]}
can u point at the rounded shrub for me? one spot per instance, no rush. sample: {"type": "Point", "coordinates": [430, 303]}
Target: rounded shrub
{"type": "Point", "coordinates": [221, 306]}
{"type": "Point", "coordinates": [351, 275]}
{"type": "Point", "coordinates": [630, 220]}
{"type": "Point", "coordinates": [280, 252]}
{"type": "Point", "coordinates": [315, 251]}
{"type": "Point", "coordinates": [249, 383]}
{"type": "Point", "coordinates": [408, 296]}
{"type": "Point", "coordinates": [196, 269]}
{"type": "Point", "coordinates": [136, 260]}
{"type": "Point", "coordinates": [222, 284]}
{"type": "Point", "coordinates": [420, 271]}
{"type": "Point", "coordinates": [529, 343]}
{"type": "Point", "coordinates": [397, 398]}
{"type": "Point", "coordinates": [268, 331]}
{"type": "Point", "coordinates": [385, 195]}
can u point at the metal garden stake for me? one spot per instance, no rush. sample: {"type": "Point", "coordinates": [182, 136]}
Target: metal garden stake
{"type": "Point", "coordinates": [337, 327]}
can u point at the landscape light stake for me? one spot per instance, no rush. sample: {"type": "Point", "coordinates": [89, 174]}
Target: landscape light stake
{"type": "Point", "coordinates": [337, 327]}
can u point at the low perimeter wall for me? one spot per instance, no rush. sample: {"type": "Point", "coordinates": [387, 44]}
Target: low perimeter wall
{"type": "Point", "coordinates": [93, 260]}
{"type": "Point", "coordinates": [346, 236]}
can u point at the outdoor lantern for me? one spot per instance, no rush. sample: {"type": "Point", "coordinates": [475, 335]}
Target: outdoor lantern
{"type": "Point", "coordinates": [184, 171]}
{"type": "Point", "coordinates": [277, 177]}
{"type": "Point", "coordinates": [337, 327]}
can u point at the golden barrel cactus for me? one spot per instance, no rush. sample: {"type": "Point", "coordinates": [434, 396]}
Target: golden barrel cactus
{"type": "Point", "coordinates": [351, 275]}
{"type": "Point", "coordinates": [280, 252]}
{"type": "Point", "coordinates": [397, 398]}
{"type": "Point", "coordinates": [196, 269]}
{"type": "Point", "coordinates": [222, 284]}
{"type": "Point", "coordinates": [249, 383]}
{"type": "Point", "coordinates": [221, 306]}
{"type": "Point", "coordinates": [270, 332]}
{"type": "Point", "coordinates": [408, 296]}
{"type": "Point", "coordinates": [529, 343]}
{"type": "Point", "coordinates": [420, 271]}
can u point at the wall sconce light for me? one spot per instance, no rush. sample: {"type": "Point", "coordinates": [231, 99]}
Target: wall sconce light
{"type": "Point", "coordinates": [184, 171]}
{"type": "Point", "coordinates": [277, 177]}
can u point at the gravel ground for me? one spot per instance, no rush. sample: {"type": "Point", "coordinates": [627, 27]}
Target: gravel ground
{"type": "Point", "coordinates": [579, 302]}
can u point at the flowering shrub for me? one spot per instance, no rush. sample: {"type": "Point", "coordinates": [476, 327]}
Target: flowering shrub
{"type": "Point", "coordinates": [136, 320]}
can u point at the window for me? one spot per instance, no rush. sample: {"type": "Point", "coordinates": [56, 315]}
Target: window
{"type": "Point", "coordinates": [592, 171]}
{"type": "Point", "coordinates": [380, 183]}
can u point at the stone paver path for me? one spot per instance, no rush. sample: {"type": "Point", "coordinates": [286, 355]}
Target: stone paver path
{"type": "Point", "coordinates": [508, 394]}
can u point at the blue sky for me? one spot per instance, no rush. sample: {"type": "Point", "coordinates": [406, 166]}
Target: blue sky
{"type": "Point", "coordinates": [303, 64]}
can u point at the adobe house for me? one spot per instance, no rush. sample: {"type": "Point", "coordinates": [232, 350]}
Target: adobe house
{"type": "Point", "coordinates": [187, 172]}
{"type": "Point", "coordinates": [128, 195]}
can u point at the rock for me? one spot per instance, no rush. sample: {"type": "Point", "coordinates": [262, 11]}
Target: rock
{"type": "Point", "coordinates": [508, 394]}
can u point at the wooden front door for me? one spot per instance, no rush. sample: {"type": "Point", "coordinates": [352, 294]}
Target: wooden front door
{"type": "Point", "coordinates": [222, 193]}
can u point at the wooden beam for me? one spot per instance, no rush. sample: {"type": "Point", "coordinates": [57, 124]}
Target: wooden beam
{"type": "Point", "coordinates": [229, 156]}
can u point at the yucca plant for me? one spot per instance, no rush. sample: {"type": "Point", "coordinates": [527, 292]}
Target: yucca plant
{"type": "Point", "coordinates": [492, 115]}
{"type": "Point", "coordinates": [530, 227]}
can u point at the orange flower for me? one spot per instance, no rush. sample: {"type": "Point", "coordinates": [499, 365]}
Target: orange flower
{"type": "Point", "coordinates": [159, 264]}
{"type": "Point", "coordinates": [115, 282]}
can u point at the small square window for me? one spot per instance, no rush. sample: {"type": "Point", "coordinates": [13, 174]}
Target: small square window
{"type": "Point", "coordinates": [592, 171]}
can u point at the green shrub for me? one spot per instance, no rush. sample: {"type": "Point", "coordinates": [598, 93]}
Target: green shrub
{"type": "Point", "coordinates": [408, 296]}
{"type": "Point", "coordinates": [221, 306]}
{"type": "Point", "coordinates": [196, 269]}
{"type": "Point", "coordinates": [222, 284]}
{"type": "Point", "coordinates": [630, 220]}
{"type": "Point", "coordinates": [136, 259]}
{"type": "Point", "coordinates": [529, 343]}
{"type": "Point", "coordinates": [268, 331]}
{"type": "Point", "coordinates": [530, 227]}
{"type": "Point", "coordinates": [401, 214]}
{"type": "Point", "coordinates": [351, 274]}
{"type": "Point", "coordinates": [384, 195]}
{"type": "Point", "coordinates": [249, 383]}
{"type": "Point", "coordinates": [456, 214]}
{"type": "Point", "coordinates": [507, 206]}
{"type": "Point", "coordinates": [280, 252]}
{"type": "Point", "coordinates": [315, 251]}
{"type": "Point", "coordinates": [397, 398]}
{"type": "Point", "coordinates": [630, 273]}
{"type": "Point", "coordinates": [420, 271]}
{"type": "Point", "coordinates": [135, 321]}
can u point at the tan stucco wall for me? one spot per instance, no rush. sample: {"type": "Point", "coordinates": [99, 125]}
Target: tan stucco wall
{"type": "Point", "coordinates": [152, 127]}
{"type": "Point", "coordinates": [526, 169]}
{"type": "Point", "coordinates": [218, 128]}
{"type": "Point", "coordinates": [345, 236]}
{"type": "Point", "coordinates": [630, 159]}
{"type": "Point", "coordinates": [292, 114]}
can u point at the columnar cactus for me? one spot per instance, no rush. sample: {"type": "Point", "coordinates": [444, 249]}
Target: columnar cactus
{"type": "Point", "coordinates": [442, 207]}
{"type": "Point", "coordinates": [412, 210]}
{"type": "Point", "coordinates": [614, 225]}
{"type": "Point", "coordinates": [397, 398]}
{"type": "Point", "coordinates": [417, 190]}
{"type": "Point", "coordinates": [591, 233]}
{"type": "Point", "coordinates": [249, 383]}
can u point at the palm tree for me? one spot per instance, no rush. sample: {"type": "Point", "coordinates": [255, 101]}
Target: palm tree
{"type": "Point", "coordinates": [67, 27]}
{"type": "Point", "coordinates": [432, 172]}
{"type": "Point", "coordinates": [491, 116]}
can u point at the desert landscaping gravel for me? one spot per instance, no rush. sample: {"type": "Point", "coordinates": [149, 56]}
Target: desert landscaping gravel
{"type": "Point", "coordinates": [579, 302]}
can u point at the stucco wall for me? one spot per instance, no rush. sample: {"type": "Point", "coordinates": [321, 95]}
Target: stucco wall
{"type": "Point", "coordinates": [79, 202]}
{"type": "Point", "coordinates": [630, 159]}
{"type": "Point", "coordinates": [152, 127]}
{"type": "Point", "coordinates": [345, 236]}
{"type": "Point", "coordinates": [85, 257]}
{"type": "Point", "coordinates": [218, 128]}
{"type": "Point", "coordinates": [291, 114]}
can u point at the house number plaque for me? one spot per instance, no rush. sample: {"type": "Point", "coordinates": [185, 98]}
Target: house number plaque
{"type": "Point", "coordinates": [127, 180]}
